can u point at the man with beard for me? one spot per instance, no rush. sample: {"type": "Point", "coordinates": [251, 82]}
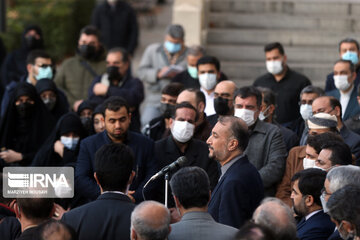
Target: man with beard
{"type": "Point", "coordinates": [117, 121]}
{"type": "Point", "coordinates": [118, 81]}
{"type": "Point", "coordinates": [306, 192]}
{"type": "Point", "coordinates": [76, 73]}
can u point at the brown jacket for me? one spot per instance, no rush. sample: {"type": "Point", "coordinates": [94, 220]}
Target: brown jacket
{"type": "Point", "coordinates": [294, 164]}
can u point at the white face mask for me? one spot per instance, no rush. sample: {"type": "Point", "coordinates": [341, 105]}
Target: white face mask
{"type": "Point", "coordinates": [69, 142]}
{"type": "Point", "coordinates": [323, 203]}
{"type": "Point", "coordinates": [207, 80]}
{"type": "Point", "coordinates": [274, 67]}
{"type": "Point", "coordinates": [341, 82]}
{"type": "Point", "coordinates": [306, 111]}
{"type": "Point", "coordinates": [182, 131]}
{"type": "Point", "coordinates": [308, 163]}
{"type": "Point", "coordinates": [246, 115]}
{"type": "Point", "coordinates": [262, 115]}
{"type": "Point", "coordinates": [316, 167]}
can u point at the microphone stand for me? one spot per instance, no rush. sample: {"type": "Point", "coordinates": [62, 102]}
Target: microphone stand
{"type": "Point", "coordinates": [166, 188]}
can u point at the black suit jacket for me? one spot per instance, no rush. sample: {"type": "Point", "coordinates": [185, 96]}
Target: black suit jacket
{"type": "Point", "coordinates": [237, 194]}
{"type": "Point", "coordinates": [197, 154]}
{"type": "Point", "coordinates": [108, 217]}
{"type": "Point", "coordinates": [317, 227]}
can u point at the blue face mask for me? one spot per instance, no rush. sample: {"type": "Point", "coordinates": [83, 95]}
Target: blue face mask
{"type": "Point", "coordinates": [192, 71]}
{"type": "Point", "coordinates": [351, 56]}
{"type": "Point", "coordinates": [69, 142]}
{"type": "Point", "coordinates": [44, 73]}
{"type": "Point", "coordinates": [172, 47]}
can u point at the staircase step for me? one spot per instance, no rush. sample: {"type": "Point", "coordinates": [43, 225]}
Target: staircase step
{"type": "Point", "coordinates": [286, 37]}
{"type": "Point", "coordinates": [317, 54]}
{"type": "Point", "coordinates": [239, 71]}
{"type": "Point", "coordinates": [284, 21]}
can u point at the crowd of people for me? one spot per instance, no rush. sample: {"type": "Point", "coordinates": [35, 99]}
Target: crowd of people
{"type": "Point", "coordinates": [275, 160]}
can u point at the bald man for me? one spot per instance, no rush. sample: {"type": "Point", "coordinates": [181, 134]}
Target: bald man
{"type": "Point", "coordinates": [277, 216]}
{"type": "Point", "coordinates": [197, 99]}
{"type": "Point", "coordinates": [332, 106]}
{"type": "Point", "coordinates": [150, 219]}
{"type": "Point", "coordinates": [223, 100]}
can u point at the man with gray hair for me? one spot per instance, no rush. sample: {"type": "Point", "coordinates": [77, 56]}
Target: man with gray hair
{"type": "Point", "coordinates": [150, 220]}
{"type": "Point", "coordinates": [336, 179]}
{"type": "Point", "coordinates": [275, 215]}
{"type": "Point", "coordinates": [159, 63]}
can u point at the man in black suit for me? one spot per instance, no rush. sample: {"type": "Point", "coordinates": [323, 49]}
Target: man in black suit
{"type": "Point", "coordinates": [108, 217]}
{"type": "Point", "coordinates": [240, 188]}
{"type": "Point", "coordinates": [314, 223]}
{"type": "Point", "coordinates": [181, 143]}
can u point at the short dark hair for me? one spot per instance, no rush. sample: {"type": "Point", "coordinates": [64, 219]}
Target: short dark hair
{"type": "Point", "coordinates": [351, 65]}
{"type": "Point", "coordinates": [90, 30]}
{"type": "Point", "coordinates": [191, 186]}
{"type": "Point", "coordinates": [311, 182]}
{"type": "Point", "coordinates": [312, 89]}
{"type": "Point", "coordinates": [173, 89]}
{"type": "Point", "coordinates": [340, 152]}
{"type": "Point", "coordinates": [113, 166]}
{"type": "Point", "coordinates": [268, 95]}
{"type": "Point", "coordinates": [237, 130]}
{"type": "Point", "coordinates": [318, 140]}
{"type": "Point", "coordinates": [199, 95]}
{"type": "Point", "coordinates": [343, 204]}
{"type": "Point", "coordinates": [349, 40]}
{"type": "Point", "coordinates": [52, 228]}
{"type": "Point", "coordinates": [249, 91]}
{"type": "Point", "coordinates": [114, 103]}
{"type": "Point", "coordinates": [36, 209]}
{"type": "Point", "coordinates": [335, 103]}
{"type": "Point", "coordinates": [185, 105]}
{"type": "Point", "coordinates": [274, 45]}
{"type": "Point", "coordinates": [246, 232]}
{"type": "Point", "coordinates": [124, 53]}
{"type": "Point", "coordinates": [209, 60]}
{"type": "Point", "coordinates": [34, 54]}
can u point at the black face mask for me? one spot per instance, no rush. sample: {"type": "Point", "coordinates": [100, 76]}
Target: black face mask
{"type": "Point", "coordinates": [221, 106]}
{"type": "Point", "coordinates": [87, 123]}
{"type": "Point", "coordinates": [167, 110]}
{"type": "Point", "coordinates": [25, 109]}
{"type": "Point", "coordinates": [87, 51]}
{"type": "Point", "coordinates": [32, 42]}
{"type": "Point", "coordinates": [114, 73]}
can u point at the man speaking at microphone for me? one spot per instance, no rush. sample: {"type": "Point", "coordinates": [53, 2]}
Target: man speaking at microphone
{"type": "Point", "coordinates": [181, 143]}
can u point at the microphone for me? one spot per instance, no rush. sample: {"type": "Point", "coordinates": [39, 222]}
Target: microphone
{"type": "Point", "coordinates": [175, 165]}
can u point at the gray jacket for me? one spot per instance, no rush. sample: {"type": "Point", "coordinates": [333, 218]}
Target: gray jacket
{"type": "Point", "coordinates": [200, 225]}
{"type": "Point", "coordinates": [267, 152]}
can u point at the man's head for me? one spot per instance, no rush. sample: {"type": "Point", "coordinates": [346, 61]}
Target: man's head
{"type": "Point", "coordinates": [58, 230]}
{"type": "Point", "coordinates": [327, 104]}
{"type": "Point", "coordinates": [113, 167]}
{"type": "Point", "coordinates": [39, 66]}
{"type": "Point", "coordinates": [321, 123]}
{"type": "Point", "coordinates": [89, 42]}
{"type": "Point", "coordinates": [274, 214]}
{"type": "Point", "coordinates": [183, 122]}
{"type": "Point", "coordinates": [117, 63]}
{"type": "Point", "coordinates": [169, 95]}
{"type": "Point", "coordinates": [191, 188]}
{"type": "Point", "coordinates": [194, 54]}
{"type": "Point", "coordinates": [174, 38]}
{"type": "Point", "coordinates": [34, 210]}
{"type": "Point", "coordinates": [314, 145]}
{"type": "Point", "coordinates": [344, 210]}
{"type": "Point", "coordinates": [332, 154]}
{"type": "Point", "coordinates": [195, 97]}
{"type": "Point", "coordinates": [150, 220]}
{"type": "Point", "coordinates": [307, 96]}
{"type": "Point", "coordinates": [229, 138]}
{"type": "Point", "coordinates": [117, 118]}
{"type": "Point", "coordinates": [275, 58]}
{"type": "Point", "coordinates": [247, 104]}
{"type": "Point", "coordinates": [344, 75]}
{"type": "Point", "coordinates": [268, 104]}
{"type": "Point", "coordinates": [224, 98]}
{"type": "Point", "coordinates": [253, 231]}
{"type": "Point", "coordinates": [349, 50]}
{"type": "Point", "coordinates": [208, 68]}
{"type": "Point", "coordinates": [306, 191]}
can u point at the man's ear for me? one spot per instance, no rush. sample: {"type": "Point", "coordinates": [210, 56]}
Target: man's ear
{"type": "Point", "coordinates": [133, 234]}
{"type": "Point", "coordinates": [29, 68]}
{"type": "Point", "coordinates": [17, 210]}
{"type": "Point", "coordinates": [271, 109]}
{"type": "Point", "coordinates": [309, 200]}
{"type": "Point", "coordinates": [177, 203]}
{"type": "Point", "coordinates": [338, 114]}
{"type": "Point", "coordinates": [232, 144]}
{"type": "Point", "coordinates": [131, 178]}
{"type": "Point", "coordinates": [96, 179]}
{"type": "Point", "coordinates": [201, 107]}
